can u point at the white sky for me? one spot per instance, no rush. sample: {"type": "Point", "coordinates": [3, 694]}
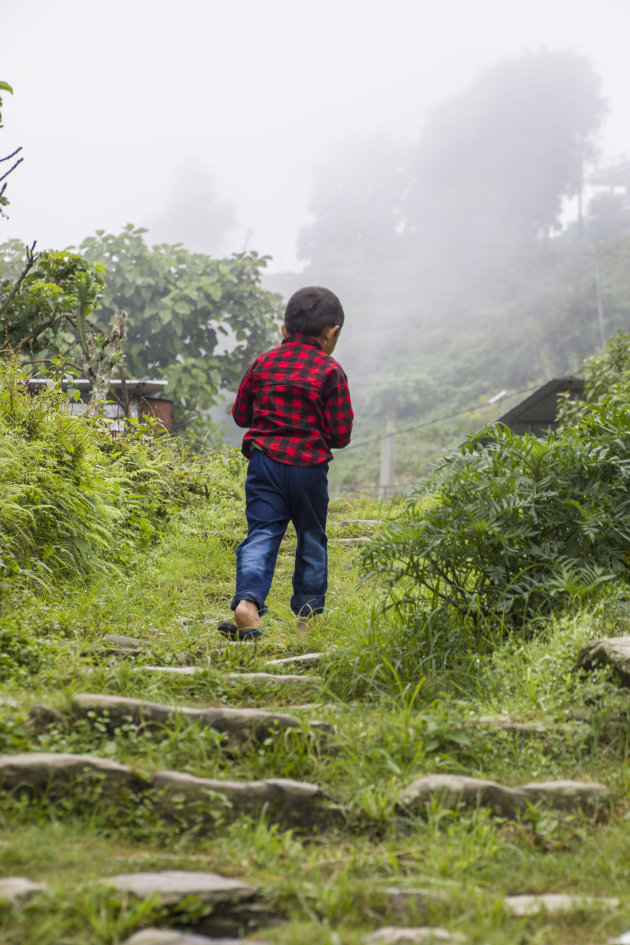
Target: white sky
{"type": "Point", "coordinates": [113, 99]}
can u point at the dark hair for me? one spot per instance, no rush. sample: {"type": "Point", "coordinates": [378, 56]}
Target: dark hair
{"type": "Point", "coordinates": [311, 309]}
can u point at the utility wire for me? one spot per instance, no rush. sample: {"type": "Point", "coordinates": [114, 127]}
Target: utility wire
{"type": "Point", "coordinates": [426, 423]}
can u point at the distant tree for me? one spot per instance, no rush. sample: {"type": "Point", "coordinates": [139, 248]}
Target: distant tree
{"type": "Point", "coordinates": [357, 204]}
{"type": "Point", "coordinates": [193, 213]}
{"type": "Point", "coordinates": [608, 217]}
{"type": "Point", "coordinates": [495, 163]}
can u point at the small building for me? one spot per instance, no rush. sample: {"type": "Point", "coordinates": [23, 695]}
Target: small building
{"type": "Point", "coordinates": [615, 175]}
{"type": "Point", "coordinates": [538, 412]}
{"type": "Point", "coordinates": [133, 398]}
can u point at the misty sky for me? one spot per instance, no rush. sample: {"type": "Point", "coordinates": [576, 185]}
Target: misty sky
{"type": "Point", "coordinates": [129, 108]}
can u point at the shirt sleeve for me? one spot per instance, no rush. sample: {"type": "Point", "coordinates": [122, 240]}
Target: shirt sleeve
{"type": "Point", "coordinates": [243, 409]}
{"type": "Point", "coordinates": [338, 414]}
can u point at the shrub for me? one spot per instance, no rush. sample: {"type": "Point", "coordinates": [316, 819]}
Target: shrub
{"type": "Point", "coordinates": [515, 532]}
{"type": "Point", "coordinates": [75, 499]}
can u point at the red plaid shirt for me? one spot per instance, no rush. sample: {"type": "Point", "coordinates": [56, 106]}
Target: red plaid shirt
{"type": "Point", "coordinates": [296, 402]}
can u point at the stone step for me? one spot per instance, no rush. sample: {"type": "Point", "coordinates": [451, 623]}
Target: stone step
{"type": "Point", "coordinates": [16, 890]}
{"type": "Point", "coordinates": [455, 791]}
{"type": "Point", "coordinates": [284, 679]}
{"type": "Point", "coordinates": [280, 679]}
{"type": "Point", "coordinates": [302, 659]}
{"type": "Point", "coordinates": [182, 797]}
{"type": "Point", "coordinates": [353, 522]}
{"type": "Point", "coordinates": [173, 886]}
{"type": "Point", "coordinates": [230, 904]}
{"type": "Point", "coordinates": [287, 802]}
{"type": "Point", "coordinates": [556, 904]}
{"type": "Point", "coordinates": [242, 727]}
{"type": "Point", "coordinates": [174, 937]}
{"type": "Point", "coordinates": [613, 652]}
{"type": "Point", "coordinates": [421, 935]}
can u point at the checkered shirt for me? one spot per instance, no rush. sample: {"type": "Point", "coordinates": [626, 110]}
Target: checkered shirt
{"type": "Point", "coordinates": [296, 403]}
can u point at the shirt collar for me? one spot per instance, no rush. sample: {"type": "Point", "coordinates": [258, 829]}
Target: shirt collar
{"type": "Point", "coordinates": [302, 339]}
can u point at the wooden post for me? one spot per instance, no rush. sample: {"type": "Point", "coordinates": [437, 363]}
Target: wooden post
{"type": "Point", "coordinates": [386, 478]}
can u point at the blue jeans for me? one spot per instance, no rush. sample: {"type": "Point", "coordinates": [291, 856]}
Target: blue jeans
{"type": "Point", "coordinates": [276, 494]}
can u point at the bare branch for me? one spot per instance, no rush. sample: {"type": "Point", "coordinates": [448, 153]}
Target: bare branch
{"type": "Point", "coordinates": [31, 257]}
{"type": "Point", "coordinates": [72, 319]}
{"type": "Point", "coordinates": [12, 155]}
{"type": "Point", "coordinates": [11, 169]}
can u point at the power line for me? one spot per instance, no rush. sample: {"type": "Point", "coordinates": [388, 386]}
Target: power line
{"type": "Point", "coordinates": [427, 423]}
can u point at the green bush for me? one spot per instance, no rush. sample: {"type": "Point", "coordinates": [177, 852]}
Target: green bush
{"type": "Point", "coordinates": [511, 534]}
{"type": "Point", "coordinates": [74, 498]}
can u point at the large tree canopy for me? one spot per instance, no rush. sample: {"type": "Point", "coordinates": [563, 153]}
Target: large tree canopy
{"type": "Point", "coordinates": [490, 168]}
{"type": "Point", "coordinates": [497, 161]}
{"type": "Point", "coordinates": [193, 320]}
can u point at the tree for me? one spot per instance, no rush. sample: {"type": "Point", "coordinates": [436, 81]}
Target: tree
{"type": "Point", "coordinates": [13, 156]}
{"type": "Point", "coordinates": [194, 320]}
{"type": "Point", "coordinates": [495, 163]}
{"type": "Point", "coordinates": [193, 214]}
{"type": "Point", "coordinates": [357, 200]}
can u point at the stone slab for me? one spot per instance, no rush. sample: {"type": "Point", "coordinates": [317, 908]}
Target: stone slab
{"type": "Point", "coordinates": [555, 904]}
{"type": "Point", "coordinates": [611, 651]}
{"type": "Point", "coordinates": [281, 679]}
{"type": "Point", "coordinates": [17, 889]}
{"type": "Point", "coordinates": [405, 901]}
{"type": "Point", "coordinates": [347, 523]}
{"type": "Point", "coordinates": [172, 670]}
{"type": "Point", "coordinates": [173, 937]}
{"type": "Point", "coordinates": [453, 791]}
{"type": "Point", "coordinates": [241, 726]}
{"type": "Point", "coordinates": [503, 723]}
{"type": "Point", "coordinates": [173, 886]}
{"type": "Point", "coordinates": [568, 796]}
{"type": "Point", "coordinates": [124, 642]}
{"type": "Point", "coordinates": [421, 935]}
{"type": "Point", "coordinates": [304, 659]}
{"type": "Point", "coordinates": [290, 803]}
{"type": "Point", "coordinates": [40, 771]}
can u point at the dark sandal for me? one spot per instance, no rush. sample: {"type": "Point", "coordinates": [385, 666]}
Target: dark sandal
{"type": "Point", "coordinates": [232, 632]}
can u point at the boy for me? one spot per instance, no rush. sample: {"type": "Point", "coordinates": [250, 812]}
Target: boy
{"type": "Point", "coordinates": [296, 403]}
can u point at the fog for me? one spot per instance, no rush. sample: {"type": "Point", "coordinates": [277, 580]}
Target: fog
{"type": "Point", "coordinates": [135, 110]}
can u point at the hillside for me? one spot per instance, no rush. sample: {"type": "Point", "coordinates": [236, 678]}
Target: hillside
{"type": "Point", "coordinates": [433, 348]}
{"type": "Point", "coordinates": [317, 817]}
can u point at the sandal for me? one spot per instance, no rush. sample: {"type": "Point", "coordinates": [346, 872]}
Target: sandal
{"type": "Point", "coordinates": [230, 630]}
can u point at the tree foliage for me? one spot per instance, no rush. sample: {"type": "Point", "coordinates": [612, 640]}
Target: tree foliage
{"type": "Point", "coordinates": [606, 379]}
{"type": "Point", "coordinates": [8, 167]}
{"type": "Point", "coordinates": [193, 320]}
{"type": "Point", "coordinates": [516, 532]}
{"type": "Point", "coordinates": [491, 167]}
{"type": "Point", "coordinates": [497, 161]}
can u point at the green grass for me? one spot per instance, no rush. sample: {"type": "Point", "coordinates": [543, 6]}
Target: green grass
{"type": "Point", "coordinates": [394, 719]}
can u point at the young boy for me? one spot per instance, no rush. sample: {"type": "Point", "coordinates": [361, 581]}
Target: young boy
{"type": "Point", "coordinates": [296, 403]}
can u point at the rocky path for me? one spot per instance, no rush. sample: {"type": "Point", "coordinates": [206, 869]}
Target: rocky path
{"type": "Point", "coordinates": [235, 911]}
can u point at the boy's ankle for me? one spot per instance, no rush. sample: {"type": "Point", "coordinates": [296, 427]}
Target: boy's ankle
{"type": "Point", "coordinates": [246, 615]}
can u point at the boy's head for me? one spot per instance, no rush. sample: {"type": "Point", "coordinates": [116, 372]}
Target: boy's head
{"type": "Point", "coordinates": [311, 310]}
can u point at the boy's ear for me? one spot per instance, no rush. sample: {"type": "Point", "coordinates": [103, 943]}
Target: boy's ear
{"type": "Point", "coordinates": [285, 333]}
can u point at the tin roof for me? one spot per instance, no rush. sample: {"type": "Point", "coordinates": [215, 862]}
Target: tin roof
{"type": "Point", "coordinates": [135, 388]}
{"type": "Point", "coordinates": [537, 412]}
